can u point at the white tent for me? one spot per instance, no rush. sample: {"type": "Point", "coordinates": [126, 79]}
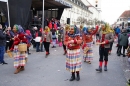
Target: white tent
{"type": "Point", "coordinates": [7, 10]}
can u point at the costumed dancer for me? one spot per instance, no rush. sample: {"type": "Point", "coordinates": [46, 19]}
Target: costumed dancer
{"type": "Point", "coordinates": [105, 38]}
{"type": "Point", "coordinates": [47, 38]}
{"type": "Point", "coordinates": [65, 32]}
{"type": "Point", "coordinates": [19, 57]}
{"type": "Point", "coordinates": [128, 48]}
{"type": "Point", "coordinates": [87, 43]}
{"type": "Point", "coordinates": [73, 59]}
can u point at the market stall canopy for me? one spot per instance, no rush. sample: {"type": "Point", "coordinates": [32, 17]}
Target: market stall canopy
{"type": "Point", "coordinates": [50, 4]}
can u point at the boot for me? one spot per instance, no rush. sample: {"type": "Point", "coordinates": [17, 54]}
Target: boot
{"type": "Point", "coordinates": [89, 62]}
{"type": "Point", "coordinates": [99, 69]}
{"type": "Point", "coordinates": [17, 70]}
{"type": "Point", "coordinates": [26, 59]}
{"type": "Point", "coordinates": [72, 77]}
{"type": "Point", "coordinates": [47, 53]}
{"type": "Point", "coordinates": [109, 52]}
{"type": "Point", "coordinates": [22, 68]}
{"type": "Point", "coordinates": [105, 68]}
{"type": "Point", "coordinates": [123, 55]}
{"type": "Point", "coordinates": [65, 52]}
{"type": "Point", "coordinates": [128, 82]}
{"type": "Point", "coordinates": [78, 77]}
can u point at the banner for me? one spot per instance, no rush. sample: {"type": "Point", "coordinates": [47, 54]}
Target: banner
{"type": "Point", "coordinates": [19, 11]}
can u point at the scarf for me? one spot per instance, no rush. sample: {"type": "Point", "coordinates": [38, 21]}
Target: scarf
{"type": "Point", "coordinates": [107, 29]}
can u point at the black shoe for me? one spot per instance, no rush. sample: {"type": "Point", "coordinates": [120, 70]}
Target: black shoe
{"type": "Point", "coordinates": [29, 53]}
{"type": "Point", "coordinates": [72, 77]}
{"type": "Point", "coordinates": [105, 68]}
{"type": "Point", "coordinates": [4, 63]}
{"type": "Point", "coordinates": [64, 53]}
{"type": "Point", "coordinates": [99, 69]}
{"type": "Point", "coordinates": [118, 54]}
{"type": "Point", "coordinates": [78, 77]}
{"type": "Point", "coordinates": [128, 82]}
{"type": "Point", "coordinates": [123, 55]}
{"type": "Point", "coordinates": [52, 47]}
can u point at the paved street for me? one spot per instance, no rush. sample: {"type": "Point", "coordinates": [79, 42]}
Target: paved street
{"type": "Point", "coordinates": [50, 71]}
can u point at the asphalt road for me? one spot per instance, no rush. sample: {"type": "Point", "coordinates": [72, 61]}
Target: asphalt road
{"type": "Point", "coordinates": [50, 71]}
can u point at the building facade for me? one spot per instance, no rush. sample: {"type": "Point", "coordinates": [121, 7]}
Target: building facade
{"type": "Point", "coordinates": [78, 14]}
{"type": "Point", "coordinates": [124, 19]}
{"type": "Point", "coordinates": [95, 7]}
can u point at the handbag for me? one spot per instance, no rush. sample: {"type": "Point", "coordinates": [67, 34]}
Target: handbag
{"type": "Point", "coordinates": [37, 39]}
{"type": "Point", "coordinates": [9, 53]}
{"type": "Point", "coordinates": [86, 49]}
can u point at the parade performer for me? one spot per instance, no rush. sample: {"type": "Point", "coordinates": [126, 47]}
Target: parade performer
{"type": "Point", "coordinates": [87, 43]}
{"type": "Point", "coordinates": [47, 38]}
{"type": "Point", "coordinates": [65, 32]}
{"type": "Point", "coordinates": [105, 38]}
{"type": "Point", "coordinates": [73, 59]}
{"type": "Point", "coordinates": [19, 56]}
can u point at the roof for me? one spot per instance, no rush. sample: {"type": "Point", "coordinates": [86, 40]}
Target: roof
{"type": "Point", "coordinates": [125, 13]}
{"type": "Point", "coordinates": [50, 4]}
{"type": "Point", "coordinates": [3, 0]}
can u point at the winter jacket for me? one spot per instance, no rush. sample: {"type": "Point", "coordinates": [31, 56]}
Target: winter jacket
{"type": "Point", "coordinates": [123, 39]}
{"type": "Point", "coordinates": [2, 38]}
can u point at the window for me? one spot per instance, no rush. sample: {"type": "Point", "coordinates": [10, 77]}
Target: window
{"type": "Point", "coordinates": [120, 19]}
{"type": "Point", "coordinates": [77, 3]}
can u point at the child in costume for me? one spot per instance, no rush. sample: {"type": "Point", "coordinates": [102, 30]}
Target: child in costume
{"type": "Point", "coordinates": [87, 43]}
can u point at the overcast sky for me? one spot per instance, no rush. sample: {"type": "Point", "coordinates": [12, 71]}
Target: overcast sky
{"type": "Point", "coordinates": [112, 9]}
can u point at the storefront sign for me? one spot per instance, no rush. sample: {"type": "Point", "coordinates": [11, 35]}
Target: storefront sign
{"type": "Point", "coordinates": [64, 3]}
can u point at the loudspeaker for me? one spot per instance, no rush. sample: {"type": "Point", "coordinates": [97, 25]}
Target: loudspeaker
{"type": "Point", "coordinates": [68, 20]}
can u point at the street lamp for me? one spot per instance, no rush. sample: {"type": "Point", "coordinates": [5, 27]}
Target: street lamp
{"type": "Point", "coordinates": [43, 15]}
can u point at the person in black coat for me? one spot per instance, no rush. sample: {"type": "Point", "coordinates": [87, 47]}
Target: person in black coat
{"type": "Point", "coordinates": [2, 45]}
{"type": "Point", "coordinates": [8, 38]}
